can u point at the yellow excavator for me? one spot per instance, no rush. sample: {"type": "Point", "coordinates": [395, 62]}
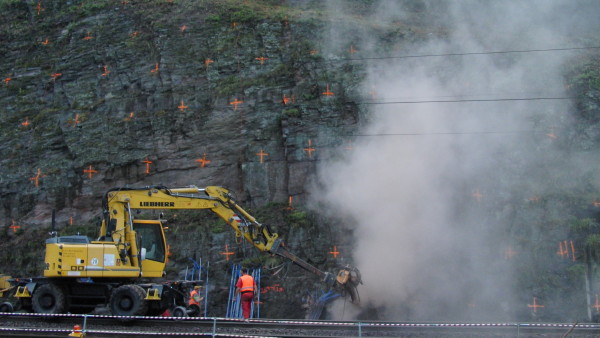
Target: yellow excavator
{"type": "Point", "coordinates": [118, 268]}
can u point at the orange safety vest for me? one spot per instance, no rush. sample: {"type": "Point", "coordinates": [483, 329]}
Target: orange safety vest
{"type": "Point", "coordinates": [192, 301]}
{"type": "Point", "coordinates": [247, 283]}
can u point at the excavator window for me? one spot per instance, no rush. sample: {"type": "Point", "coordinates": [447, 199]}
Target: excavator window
{"type": "Point", "coordinates": [151, 239]}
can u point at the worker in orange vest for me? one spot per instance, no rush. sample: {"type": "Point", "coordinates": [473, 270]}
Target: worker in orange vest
{"type": "Point", "coordinates": [195, 297]}
{"type": "Point", "coordinates": [246, 286]}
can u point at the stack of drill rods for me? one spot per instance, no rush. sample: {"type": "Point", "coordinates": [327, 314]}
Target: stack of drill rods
{"type": "Point", "coordinates": [206, 291]}
{"type": "Point", "coordinates": [256, 273]}
{"type": "Point", "coordinates": [233, 300]}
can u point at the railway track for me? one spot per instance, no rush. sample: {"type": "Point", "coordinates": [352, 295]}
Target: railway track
{"type": "Point", "coordinates": [40, 325]}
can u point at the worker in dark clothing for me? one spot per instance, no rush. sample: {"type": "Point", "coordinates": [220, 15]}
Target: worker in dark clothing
{"type": "Point", "coordinates": [246, 286]}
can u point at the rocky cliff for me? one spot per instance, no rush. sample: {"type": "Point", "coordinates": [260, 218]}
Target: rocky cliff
{"type": "Point", "coordinates": [111, 93]}
{"type": "Point", "coordinates": [261, 96]}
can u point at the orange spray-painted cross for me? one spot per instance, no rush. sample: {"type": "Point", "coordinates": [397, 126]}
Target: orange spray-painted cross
{"type": "Point", "coordinates": [573, 257]}
{"type": "Point", "coordinates": [596, 305]}
{"type": "Point", "coordinates": [207, 62]}
{"type": "Point", "coordinates": [74, 121]}
{"type": "Point", "coordinates": [203, 161]}
{"type": "Point", "coordinates": [7, 80]}
{"type": "Point", "coordinates": [36, 178]}
{"type": "Point", "coordinates": [287, 100]}
{"type": "Point", "coordinates": [54, 76]}
{"type": "Point", "coordinates": [182, 106]}
{"type": "Point", "coordinates": [106, 71]}
{"type": "Point", "coordinates": [39, 8]}
{"type": "Point", "coordinates": [88, 36]}
{"type": "Point", "coordinates": [46, 42]}
{"type": "Point", "coordinates": [509, 253]}
{"type": "Point", "coordinates": [262, 59]}
{"type": "Point", "coordinates": [563, 250]}
{"type": "Point", "coordinates": [348, 146]}
{"type": "Point", "coordinates": [535, 305]}
{"type": "Point", "coordinates": [262, 154]}
{"type": "Point", "coordinates": [14, 227]}
{"type": "Point", "coordinates": [290, 207]}
{"type": "Point", "coordinates": [236, 103]}
{"type": "Point", "coordinates": [134, 34]}
{"type": "Point", "coordinates": [182, 28]}
{"type": "Point", "coordinates": [26, 123]}
{"type": "Point", "coordinates": [148, 162]}
{"type": "Point", "coordinates": [327, 92]}
{"type": "Point", "coordinates": [155, 70]}
{"type": "Point", "coordinates": [310, 149]}
{"type": "Point", "coordinates": [130, 117]}
{"type": "Point", "coordinates": [90, 171]}
{"type": "Point", "coordinates": [334, 252]}
{"type": "Point", "coordinates": [227, 253]}
{"type": "Point", "coordinates": [478, 196]}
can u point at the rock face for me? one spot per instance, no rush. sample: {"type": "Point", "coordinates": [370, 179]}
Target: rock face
{"type": "Point", "coordinates": [98, 96]}
{"type": "Point", "coordinates": [111, 93]}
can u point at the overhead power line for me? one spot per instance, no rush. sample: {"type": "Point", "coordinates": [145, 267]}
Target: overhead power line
{"type": "Point", "coordinates": [448, 133]}
{"type": "Point", "coordinates": [471, 100]}
{"type": "Point", "coordinates": [471, 53]}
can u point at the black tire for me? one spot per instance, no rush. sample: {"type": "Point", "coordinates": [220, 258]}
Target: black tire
{"type": "Point", "coordinates": [48, 298]}
{"type": "Point", "coordinates": [179, 311]}
{"type": "Point", "coordinates": [6, 307]}
{"type": "Point", "coordinates": [128, 300]}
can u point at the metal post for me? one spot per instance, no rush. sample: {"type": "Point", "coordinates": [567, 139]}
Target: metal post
{"type": "Point", "coordinates": [258, 291]}
{"type": "Point", "coordinates": [214, 333]}
{"type": "Point", "coordinates": [84, 323]}
{"type": "Point", "coordinates": [206, 291]}
{"type": "Point", "coordinates": [359, 329]}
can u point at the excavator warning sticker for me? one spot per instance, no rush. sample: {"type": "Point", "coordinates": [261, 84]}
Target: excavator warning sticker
{"type": "Point", "coordinates": [109, 260]}
{"type": "Point", "coordinates": [94, 261]}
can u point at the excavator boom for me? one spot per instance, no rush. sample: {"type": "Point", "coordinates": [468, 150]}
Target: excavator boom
{"type": "Point", "coordinates": [220, 201]}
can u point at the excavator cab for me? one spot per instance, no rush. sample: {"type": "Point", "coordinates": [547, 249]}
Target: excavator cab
{"type": "Point", "coordinates": [153, 248]}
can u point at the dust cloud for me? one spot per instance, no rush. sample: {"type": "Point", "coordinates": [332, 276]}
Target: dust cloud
{"type": "Point", "coordinates": [450, 138]}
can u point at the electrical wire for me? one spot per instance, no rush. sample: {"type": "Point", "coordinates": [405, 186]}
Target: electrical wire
{"type": "Point", "coordinates": [466, 53]}
{"type": "Point", "coordinates": [473, 100]}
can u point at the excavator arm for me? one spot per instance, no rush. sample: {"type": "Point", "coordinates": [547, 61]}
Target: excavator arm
{"type": "Point", "coordinates": [118, 224]}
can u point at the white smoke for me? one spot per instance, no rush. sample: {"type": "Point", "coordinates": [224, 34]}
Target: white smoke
{"type": "Point", "coordinates": [419, 179]}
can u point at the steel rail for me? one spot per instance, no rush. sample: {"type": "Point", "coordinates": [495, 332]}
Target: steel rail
{"type": "Point", "coordinates": [60, 325]}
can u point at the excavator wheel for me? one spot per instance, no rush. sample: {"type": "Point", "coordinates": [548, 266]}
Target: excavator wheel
{"type": "Point", "coordinates": [179, 311]}
{"type": "Point", "coordinates": [48, 298]}
{"type": "Point", "coordinates": [7, 307]}
{"type": "Point", "coordinates": [128, 300]}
